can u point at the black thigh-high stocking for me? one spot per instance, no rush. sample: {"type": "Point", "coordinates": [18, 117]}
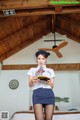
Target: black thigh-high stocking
{"type": "Point", "coordinates": [49, 109]}
{"type": "Point", "coordinates": [38, 110]}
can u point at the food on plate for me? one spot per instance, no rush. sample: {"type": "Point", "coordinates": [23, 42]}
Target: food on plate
{"type": "Point", "coordinates": [43, 78]}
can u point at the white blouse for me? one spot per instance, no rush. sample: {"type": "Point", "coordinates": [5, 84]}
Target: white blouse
{"type": "Point", "coordinates": [48, 72]}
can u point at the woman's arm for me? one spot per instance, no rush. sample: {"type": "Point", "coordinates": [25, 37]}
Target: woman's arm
{"type": "Point", "coordinates": [32, 80]}
{"type": "Point", "coordinates": [50, 82]}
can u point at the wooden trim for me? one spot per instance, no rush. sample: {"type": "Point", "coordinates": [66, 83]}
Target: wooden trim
{"type": "Point", "coordinates": [55, 112]}
{"type": "Point", "coordinates": [56, 67]}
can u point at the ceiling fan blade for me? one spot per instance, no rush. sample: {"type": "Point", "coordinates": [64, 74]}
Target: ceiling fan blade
{"type": "Point", "coordinates": [58, 54]}
{"type": "Point", "coordinates": [63, 44]}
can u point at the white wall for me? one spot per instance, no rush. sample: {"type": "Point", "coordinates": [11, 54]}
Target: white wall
{"type": "Point", "coordinates": [17, 99]}
{"type": "Point", "coordinates": [67, 83]}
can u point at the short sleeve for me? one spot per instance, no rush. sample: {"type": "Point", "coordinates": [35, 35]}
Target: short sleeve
{"type": "Point", "coordinates": [52, 73]}
{"type": "Point", "coordinates": [30, 72]}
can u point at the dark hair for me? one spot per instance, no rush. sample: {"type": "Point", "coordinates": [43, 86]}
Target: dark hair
{"type": "Point", "coordinates": [42, 52]}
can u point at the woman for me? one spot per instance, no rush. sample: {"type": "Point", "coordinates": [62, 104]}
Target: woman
{"type": "Point", "coordinates": [43, 95]}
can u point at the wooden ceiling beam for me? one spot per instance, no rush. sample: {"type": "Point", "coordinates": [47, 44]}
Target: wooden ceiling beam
{"type": "Point", "coordinates": [22, 4]}
{"type": "Point", "coordinates": [45, 11]}
{"type": "Point", "coordinates": [37, 7]}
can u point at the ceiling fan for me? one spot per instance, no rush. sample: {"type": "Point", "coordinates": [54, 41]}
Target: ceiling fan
{"type": "Point", "coordinates": [55, 48]}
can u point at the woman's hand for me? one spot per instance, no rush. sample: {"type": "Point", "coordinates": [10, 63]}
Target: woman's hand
{"type": "Point", "coordinates": [50, 82]}
{"type": "Point", "coordinates": [33, 80]}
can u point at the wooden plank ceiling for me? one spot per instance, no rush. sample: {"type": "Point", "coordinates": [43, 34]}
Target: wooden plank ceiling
{"type": "Point", "coordinates": [32, 21]}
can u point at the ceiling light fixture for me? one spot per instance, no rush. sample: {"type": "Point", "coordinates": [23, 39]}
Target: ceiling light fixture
{"type": "Point", "coordinates": [9, 12]}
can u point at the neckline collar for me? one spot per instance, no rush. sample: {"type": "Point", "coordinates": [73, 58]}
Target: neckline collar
{"type": "Point", "coordinates": [44, 66]}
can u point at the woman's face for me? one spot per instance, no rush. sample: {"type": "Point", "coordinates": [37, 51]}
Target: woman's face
{"type": "Point", "coordinates": [41, 60]}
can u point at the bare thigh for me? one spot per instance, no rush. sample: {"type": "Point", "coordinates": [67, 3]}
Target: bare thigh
{"type": "Point", "coordinates": [49, 109]}
{"type": "Point", "coordinates": [38, 110]}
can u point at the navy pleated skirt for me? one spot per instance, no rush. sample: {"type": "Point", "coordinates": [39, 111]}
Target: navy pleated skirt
{"type": "Point", "coordinates": [43, 96]}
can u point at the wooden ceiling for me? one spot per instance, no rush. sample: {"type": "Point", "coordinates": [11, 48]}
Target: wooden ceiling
{"type": "Point", "coordinates": [32, 20]}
